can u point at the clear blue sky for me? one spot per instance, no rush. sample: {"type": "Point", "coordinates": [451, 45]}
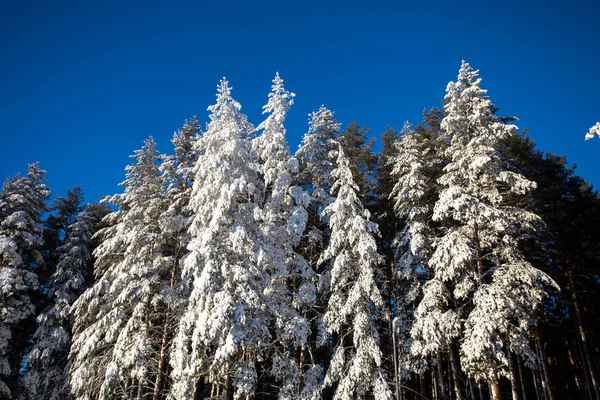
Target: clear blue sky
{"type": "Point", "coordinates": [82, 83]}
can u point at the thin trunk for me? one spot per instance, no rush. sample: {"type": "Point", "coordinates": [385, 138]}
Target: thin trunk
{"type": "Point", "coordinates": [161, 363]}
{"type": "Point", "coordinates": [422, 384]}
{"type": "Point", "coordinates": [522, 379]}
{"type": "Point", "coordinates": [539, 392]}
{"type": "Point", "coordinates": [513, 376]}
{"type": "Point", "coordinates": [440, 375]}
{"type": "Point", "coordinates": [301, 371]}
{"type": "Point", "coordinates": [480, 390]}
{"type": "Point", "coordinates": [584, 342]}
{"type": "Point", "coordinates": [588, 384]}
{"type": "Point", "coordinates": [434, 390]}
{"type": "Point", "coordinates": [544, 372]}
{"type": "Point", "coordinates": [131, 394]}
{"type": "Point", "coordinates": [395, 354]}
{"type": "Point", "coordinates": [471, 389]}
{"type": "Point", "coordinates": [573, 364]}
{"type": "Point", "coordinates": [455, 374]}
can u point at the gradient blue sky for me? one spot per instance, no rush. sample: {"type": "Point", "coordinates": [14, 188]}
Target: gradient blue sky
{"type": "Point", "coordinates": [82, 83]}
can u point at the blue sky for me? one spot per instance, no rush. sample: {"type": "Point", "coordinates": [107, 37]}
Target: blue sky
{"type": "Point", "coordinates": [82, 83]}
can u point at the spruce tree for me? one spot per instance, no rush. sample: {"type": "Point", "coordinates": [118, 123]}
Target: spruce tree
{"type": "Point", "coordinates": [46, 363]}
{"type": "Point", "coordinates": [224, 329]}
{"type": "Point", "coordinates": [178, 172]}
{"type": "Point", "coordinates": [292, 291]}
{"type": "Point", "coordinates": [22, 204]}
{"type": "Point", "coordinates": [414, 194]}
{"type": "Point", "coordinates": [317, 160]}
{"type": "Point", "coordinates": [115, 345]}
{"type": "Point", "coordinates": [354, 300]}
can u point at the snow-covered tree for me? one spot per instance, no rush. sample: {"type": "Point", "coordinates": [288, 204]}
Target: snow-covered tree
{"type": "Point", "coordinates": [115, 341]}
{"type": "Point", "coordinates": [178, 170]}
{"type": "Point", "coordinates": [22, 203]}
{"type": "Point", "coordinates": [317, 156]}
{"type": "Point", "coordinates": [292, 290]}
{"type": "Point", "coordinates": [355, 300]}
{"type": "Point", "coordinates": [476, 260]}
{"type": "Point", "coordinates": [224, 329]}
{"type": "Point", "coordinates": [594, 130]}
{"type": "Point", "coordinates": [414, 194]}
{"type": "Point", "coordinates": [46, 363]}
{"type": "Point", "coordinates": [317, 152]}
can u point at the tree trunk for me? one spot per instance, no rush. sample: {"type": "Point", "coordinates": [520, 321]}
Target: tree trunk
{"type": "Point", "coordinates": [434, 390]}
{"type": "Point", "coordinates": [455, 374]}
{"type": "Point", "coordinates": [161, 363]}
{"type": "Point", "coordinates": [440, 375]}
{"type": "Point", "coordinates": [513, 376]}
{"type": "Point", "coordinates": [422, 384]}
{"type": "Point", "coordinates": [522, 379]}
{"type": "Point", "coordinates": [544, 372]}
{"type": "Point", "coordinates": [537, 381]}
{"type": "Point", "coordinates": [584, 343]}
{"type": "Point", "coordinates": [495, 389]}
{"type": "Point", "coordinates": [574, 365]}
{"type": "Point", "coordinates": [471, 389]}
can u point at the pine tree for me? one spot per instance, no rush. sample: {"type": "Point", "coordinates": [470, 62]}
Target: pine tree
{"type": "Point", "coordinates": [224, 329]}
{"type": "Point", "coordinates": [22, 204]}
{"type": "Point", "coordinates": [64, 214]}
{"type": "Point", "coordinates": [115, 341]}
{"type": "Point", "coordinates": [569, 251]}
{"type": "Point", "coordinates": [354, 298]}
{"type": "Point", "coordinates": [292, 291]}
{"type": "Point", "coordinates": [46, 362]}
{"type": "Point", "coordinates": [363, 161]}
{"type": "Point", "coordinates": [385, 215]}
{"type": "Point", "coordinates": [477, 258]}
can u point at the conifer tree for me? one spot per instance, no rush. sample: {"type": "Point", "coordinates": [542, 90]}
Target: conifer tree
{"type": "Point", "coordinates": [178, 172]}
{"type": "Point", "coordinates": [115, 342]}
{"type": "Point", "coordinates": [46, 363]}
{"type": "Point", "coordinates": [64, 214]}
{"type": "Point", "coordinates": [363, 161]}
{"type": "Point", "coordinates": [317, 158]}
{"type": "Point", "coordinates": [224, 329]}
{"type": "Point", "coordinates": [22, 204]}
{"type": "Point", "coordinates": [354, 300]}
{"type": "Point", "coordinates": [292, 290]}
{"type": "Point", "coordinates": [414, 195]}
{"type": "Point", "coordinates": [477, 260]}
